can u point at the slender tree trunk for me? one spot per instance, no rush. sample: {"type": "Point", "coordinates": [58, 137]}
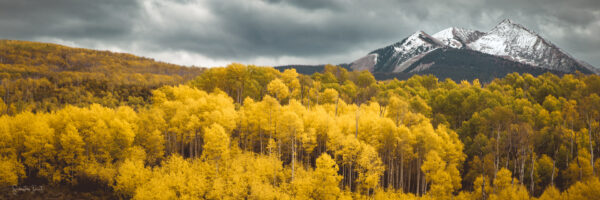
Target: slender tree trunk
{"type": "Point", "coordinates": [522, 174]}
{"type": "Point", "coordinates": [260, 139]}
{"type": "Point", "coordinates": [590, 140]}
{"type": "Point", "coordinates": [391, 175]}
{"type": "Point", "coordinates": [182, 145]}
{"type": "Point", "coordinates": [514, 170]}
{"type": "Point", "coordinates": [483, 187]}
{"type": "Point", "coordinates": [293, 154]}
{"type": "Point", "coordinates": [190, 147]}
{"type": "Point", "coordinates": [424, 184]}
{"type": "Point", "coordinates": [483, 178]}
{"type": "Point", "coordinates": [418, 169]}
{"type": "Point", "coordinates": [531, 173]}
{"type": "Point", "coordinates": [570, 154]}
{"type": "Point", "coordinates": [402, 170]}
{"type": "Point", "coordinates": [409, 177]}
{"type": "Point", "coordinates": [167, 147]}
{"type": "Point", "coordinates": [580, 170]}
{"type": "Point", "coordinates": [345, 178]}
{"type": "Point", "coordinates": [553, 168]}
{"type": "Point", "coordinates": [497, 161]}
{"type": "Point", "coordinates": [350, 175]}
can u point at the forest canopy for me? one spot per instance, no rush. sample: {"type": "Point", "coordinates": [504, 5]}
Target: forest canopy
{"type": "Point", "coordinates": [148, 130]}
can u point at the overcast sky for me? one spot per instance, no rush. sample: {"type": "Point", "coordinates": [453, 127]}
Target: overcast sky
{"type": "Point", "coordinates": [276, 32]}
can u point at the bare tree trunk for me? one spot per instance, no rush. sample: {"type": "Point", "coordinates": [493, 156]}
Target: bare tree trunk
{"type": "Point", "coordinates": [418, 175]}
{"type": "Point", "coordinates": [553, 168]}
{"type": "Point", "coordinates": [391, 175]}
{"type": "Point", "coordinates": [424, 185]}
{"type": "Point", "coordinates": [345, 182]}
{"type": "Point", "coordinates": [483, 178]}
{"type": "Point", "coordinates": [402, 170]}
{"type": "Point", "coordinates": [483, 187]}
{"type": "Point", "coordinates": [190, 148]}
{"type": "Point", "coordinates": [522, 171]}
{"type": "Point", "coordinates": [409, 184]}
{"type": "Point", "coordinates": [531, 173]}
{"type": "Point", "coordinates": [350, 175]}
{"type": "Point", "coordinates": [293, 154]}
{"type": "Point", "coordinates": [182, 145]}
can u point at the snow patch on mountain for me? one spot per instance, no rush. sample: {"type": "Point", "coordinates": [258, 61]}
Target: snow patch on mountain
{"type": "Point", "coordinates": [400, 55]}
{"type": "Point", "coordinates": [457, 37]}
{"type": "Point", "coordinates": [417, 40]}
{"type": "Point", "coordinates": [365, 63]}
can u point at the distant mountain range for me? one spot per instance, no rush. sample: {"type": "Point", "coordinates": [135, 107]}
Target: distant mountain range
{"type": "Point", "coordinates": [462, 54]}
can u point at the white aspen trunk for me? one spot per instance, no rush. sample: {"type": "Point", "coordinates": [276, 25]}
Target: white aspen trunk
{"type": "Point", "coordinates": [531, 173]}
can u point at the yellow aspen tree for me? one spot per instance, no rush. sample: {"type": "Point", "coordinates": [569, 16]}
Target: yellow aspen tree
{"type": "Point", "coordinates": [289, 128]}
{"type": "Point", "coordinates": [11, 171]}
{"type": "Point", "coordinates": [397, 109]}
{"type": "Point", "coordinates": [151, 134]}
{"type": "Point", "coordinates": [290, 78]}
{"type": "Point", "coordinates": [216, 145]}
{"type": "Point", "coordinates": [39, 145]}
{"type": "Point", "coordinates": [278, 89]}
{"type": "Point", "coordinates": [550, 193]}
{"type": "Point", "coordinates": [369, 168]}
{"type": "Point", "coordinates": [329, 96]}
{"type": "Point", "coordinates": [437, 178]}
{"type": "Point", "coordinates": [71, 152]}
{"type": "Point", "coordinates": [583, 190]}
{"type": "Point", "coordinates": [326, 178]}
{"type": "Point", "coordinates": [131, 175]}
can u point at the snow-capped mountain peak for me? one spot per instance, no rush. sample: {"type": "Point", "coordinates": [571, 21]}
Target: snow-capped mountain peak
{"type": "Point", "coordinates": [507, 40]}
{"type": "Point", "coordinates": [506, 21]}
{"type": "Point", "coordinates": [417, 40]}
{"type": "Point", "coordinates": [515, 42]}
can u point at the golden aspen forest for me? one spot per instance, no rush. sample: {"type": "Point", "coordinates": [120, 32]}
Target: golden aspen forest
{"type": "Point", "coordinates": [115, 126]}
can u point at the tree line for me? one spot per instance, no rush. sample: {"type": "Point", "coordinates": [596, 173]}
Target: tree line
{"type": "Point", "coordinates": [253, 132]}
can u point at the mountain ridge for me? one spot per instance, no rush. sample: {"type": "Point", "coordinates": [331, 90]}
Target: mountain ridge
{"type": "Point", "coordinates": [507, 39]}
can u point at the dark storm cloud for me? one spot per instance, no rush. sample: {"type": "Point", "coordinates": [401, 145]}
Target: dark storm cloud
{"type": "Point", "coordinates": [69, 19]}
{"type": "Point", "coordinates": [209, 32]}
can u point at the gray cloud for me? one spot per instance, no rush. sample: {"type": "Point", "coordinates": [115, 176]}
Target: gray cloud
{"type": "Point", "coordinates": [68, 19]}
{"type": "Point", "coordinates": [274, 32]}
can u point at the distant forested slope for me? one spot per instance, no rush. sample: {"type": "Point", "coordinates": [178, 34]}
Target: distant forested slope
{"type": "Point", "coordinates": [41, 76]}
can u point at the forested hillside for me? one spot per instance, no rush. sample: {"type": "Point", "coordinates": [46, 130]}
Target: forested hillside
{"type": "Point", "coordinates": [45, 77]}
{"type": "Point", "coordinates": [248, 132]}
